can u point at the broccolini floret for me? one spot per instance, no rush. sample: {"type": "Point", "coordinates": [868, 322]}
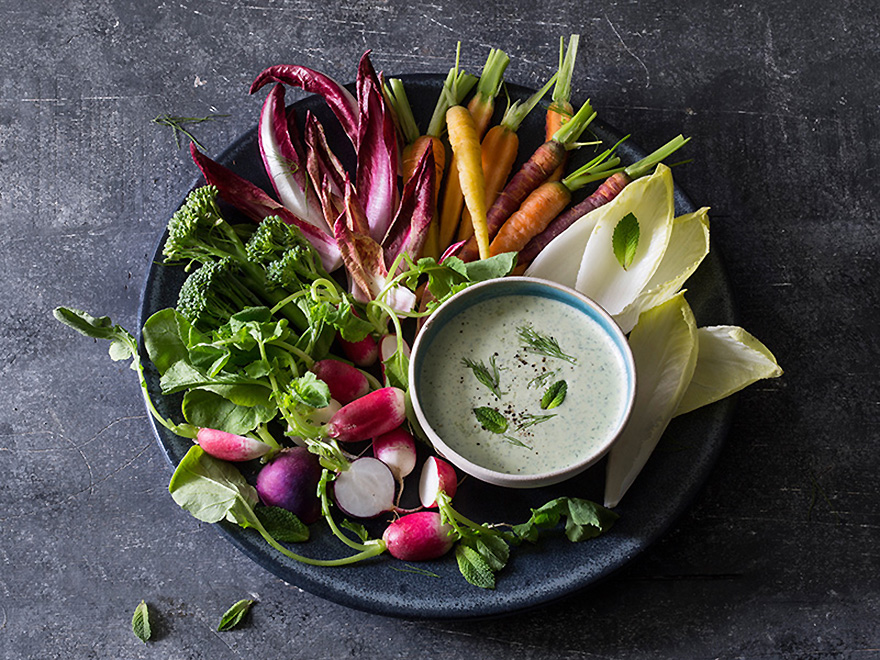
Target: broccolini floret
{"type": "Point", "coordinates": [198, 231]}
{"type": "Point", "coordinates": [213, 293]}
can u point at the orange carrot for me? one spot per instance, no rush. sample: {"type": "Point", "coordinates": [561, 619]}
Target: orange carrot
{"type": "Point", "coordinates": [499, 150]}
{"type": "Point", "coordinates": [481, 107]}
{"type": "Point", "coordinates": [560, 109]}
{"type": "Point", "coordinates": [532, 174]}
{"type": "Point", "coordinates": [455, 87]}
{"type": "Point", "coordinates": [546, 202]}
{"type": "Point", "coordinates": [539, 208]}
{"type": "Point", "coordinates": [466, 148]}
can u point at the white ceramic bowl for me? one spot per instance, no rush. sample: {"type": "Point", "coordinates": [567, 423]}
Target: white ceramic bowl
{"type": "Point", "coordinates": [457, 445]}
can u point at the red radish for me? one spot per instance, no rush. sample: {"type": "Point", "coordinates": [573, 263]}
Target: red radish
{"type": "Point", "coordinates": [397, 449]}
{"type": "Point", "coordinates": [365, 489]}
{"type": "Point", "coordinates": [229, 446]}
{"type": "Point", "coordinates": [290, 481]}
{"type": "Point", "coordinates": [346, 382]}
{"type": "Point", "coordinates": [418, 537]}
{"type": "Point", "coordinates": [436, 475]}
{"type": "Point", "coordinates": [378, 412]}
{"type": "Point", "coordinates": [363, 353]}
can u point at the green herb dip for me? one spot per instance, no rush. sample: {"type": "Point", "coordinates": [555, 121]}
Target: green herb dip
{"type": "Point", "coordinates": [594, 404]}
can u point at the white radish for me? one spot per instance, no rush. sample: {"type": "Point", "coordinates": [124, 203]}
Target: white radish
{"type": "Point", "coordinates": [365, 489]}
{"type": "Point", "coordinates": [229, 446]}
{"type": "Point", "coordinates": [397, 449]}
{"type": "Point", "coordinates": [436, 475]}
{"type": "Point", "coordinates": [346, 382]}
{"type": "Point", "coordinates": [387, 349]}
{"type": "Point", "coordinates": [321, 416]}
{"type": "Point", "coordinates": [419, 537]}
{"type": "Point", "coordinates": [378, 412]}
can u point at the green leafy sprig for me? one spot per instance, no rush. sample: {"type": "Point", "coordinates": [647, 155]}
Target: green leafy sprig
{"type": "Point", "coordinates": [541, 344]}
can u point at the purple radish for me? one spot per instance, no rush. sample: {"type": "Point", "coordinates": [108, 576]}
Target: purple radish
{"type": "Point", "coordinates": [229, 446]}
{"type": "Point", "coordinates": [346, 382]}
{"type": "Point", "coordinates": [372, 415]}
{"type": "Point", "coordinates": [290, 481]}
{"type": "Point", "coordinates": [436, 475]}
{"type": "Point", "coordinates": [365, 489]}
{"type": "Point", "coordinates": [363, 353]}
{"type": "Point", "coordinates": [397, 449]}
{"type": "Point", "coordinates": [418, 537]}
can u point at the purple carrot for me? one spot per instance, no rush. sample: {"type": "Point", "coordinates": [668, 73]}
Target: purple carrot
{"type": "Point", "coordinates": [253, 202]}
{"type": "Point", "coordinates": [532, 174]}
{"type": "Point", "coordinates": [608, 190]}
{"type": "Point", "coordinates": [340, 100]}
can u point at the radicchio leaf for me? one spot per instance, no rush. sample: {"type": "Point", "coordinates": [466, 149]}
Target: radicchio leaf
{"type": "Point", "coordinates": [377, 163]}
{"type": "Point", "coordinates": [284, 160]}
{"type": "Point", "coordinates": [409, 229]}
{"type": "Point", "coordinates": [340, 100]}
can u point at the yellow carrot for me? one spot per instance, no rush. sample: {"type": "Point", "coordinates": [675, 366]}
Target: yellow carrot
{"type": "Point", "coordinates": [466, 149]}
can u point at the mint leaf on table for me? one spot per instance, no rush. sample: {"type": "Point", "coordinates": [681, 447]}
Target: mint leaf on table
{"type": "Point", "coordinates": [474, 568]}
{"type": "Point", "coordinates": [234, 615]}
{"type": "Point", "coordinates": [140, 622]}
{"type": "Point", "coordinates": [625, 240]}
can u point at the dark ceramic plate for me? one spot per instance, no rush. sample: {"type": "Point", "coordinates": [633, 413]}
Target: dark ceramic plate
{"type": "Point", "coordinates": [536, 574]}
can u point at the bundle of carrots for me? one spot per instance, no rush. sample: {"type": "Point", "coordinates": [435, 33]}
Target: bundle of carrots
{"type": "Point", "coordinates": [483, 210]}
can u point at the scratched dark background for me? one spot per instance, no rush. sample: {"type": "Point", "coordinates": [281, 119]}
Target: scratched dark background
{"type": "Point", "coordinates": [779, 555]}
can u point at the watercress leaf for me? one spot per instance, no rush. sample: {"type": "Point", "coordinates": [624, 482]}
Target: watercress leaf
{"type": "Point", "coordinates": [555, 395]}
{"type": "Point", "coordinates": [86, 324]}
{"type": "Point", "coordinates": [210, 489]}
{"type": "Point", "coordinates": [396, 370]}
{"type": "Point", "coordinates": [490, 419]}
{"type": "Point", "coordinates": [282, 524]}
{"type": "Point", "coordinates": [356, 528]}
{"type": "Point", "coordinates": [140, 622]}
{"type": "Point", "coordinates": [183, 375]}
{"type": "Point", "coordinates": [207, 409]}
{"type": "Point", "coordinates": [625, 240]}
{"type": "Point", "coordinates": [487, 269]}
{"type": "Point", "coordinates": [342, 317]}
{"type": "Point", "coordinates": [474, 568]}
{"type": "Point", "coordinates": [120, 350]}
{"type": "Point", "coordinates": [258, 369]}
{"type": "Point", "coordinates": [234, 615]}
{"type": "Point", "coordinates": [587, 520]}
{"type": "Point", "coordinates": [167, 336]}
{"type": "Point", "coordinates": [310, 390]}
{"type": "Point", "coordinates": [209, 358]}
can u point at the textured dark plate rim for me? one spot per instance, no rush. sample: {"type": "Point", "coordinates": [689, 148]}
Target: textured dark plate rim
{"type": "Point", "coordinates": [521, 585]}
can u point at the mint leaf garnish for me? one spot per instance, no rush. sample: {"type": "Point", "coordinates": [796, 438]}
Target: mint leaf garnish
{"type": "Point", "coordinates": [491, 420]}
{"type": "Point", "coordinates": [555, 395]}
{"type": "Point", "coordinates": [625, 240]}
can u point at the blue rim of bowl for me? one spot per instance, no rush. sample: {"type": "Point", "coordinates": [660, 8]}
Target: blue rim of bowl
{"type": "Point", "coordinates": [508, 286]}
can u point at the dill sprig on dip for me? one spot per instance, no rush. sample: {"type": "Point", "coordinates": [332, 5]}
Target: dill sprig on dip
{"type": "Point", "coordinates": [489, 376]}
{"type": "Point", "coordinates": [536, 342]}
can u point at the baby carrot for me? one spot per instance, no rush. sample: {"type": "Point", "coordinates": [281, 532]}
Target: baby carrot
{"type": "Point", "coordinates": [610, 188]}
{"type": "Point", "coordinates": [532, 174]}
{"type": "Point", "coordinates": [498, 152]}
{"type": "Point", "coordinates": [481, 107]}
{"type": "Point", "coordinates": [466, 147]}
{"type": "Point", "coordinates": [560, 109]}
{"type": "Point", "coordinates": [545, 203]}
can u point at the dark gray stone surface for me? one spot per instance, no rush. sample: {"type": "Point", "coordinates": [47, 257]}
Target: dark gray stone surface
{"type": "Point", "coordinates": [778, 556]}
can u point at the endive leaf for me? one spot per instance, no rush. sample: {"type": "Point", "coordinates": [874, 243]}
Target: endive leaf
{"type": "Point", "coordinates": [729, 360]}
{"type": "Point", "coordinates": [560, 260]}
{"type": "Point", "coordinates": [664, 346]}
{"type": "Point", "coordinates": [600, 276]}
{"type": "Point", "coordinates": [688, 246]}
